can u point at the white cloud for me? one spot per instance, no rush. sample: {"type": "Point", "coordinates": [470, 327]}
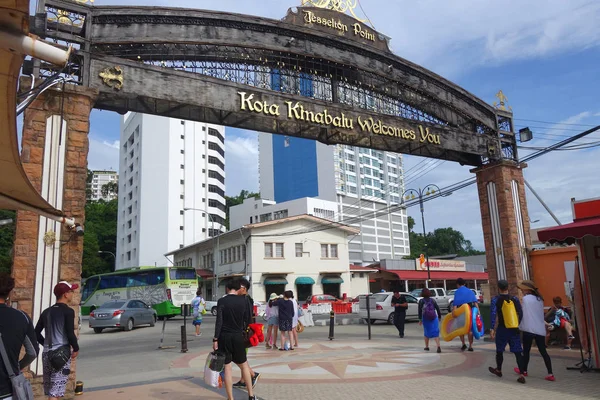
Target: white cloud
{"type": "Point", "coordinates": [103, 154]}
{"type": "Point", "coordinates": [241, 163]}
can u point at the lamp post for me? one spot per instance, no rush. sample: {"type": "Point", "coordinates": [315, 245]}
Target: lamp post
{"type": "Point", "coordinates": [215, 250]}
{"type": "Point", "coordinates": [411, 194]}
{"type": "Point", "coordinates": [112, 254]}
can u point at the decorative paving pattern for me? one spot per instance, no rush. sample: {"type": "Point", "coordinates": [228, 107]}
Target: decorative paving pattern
{"type": "Point", "coordinates": [340, 362]}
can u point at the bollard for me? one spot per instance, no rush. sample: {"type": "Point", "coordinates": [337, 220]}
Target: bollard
{"type": "Point", "coordinates": [184, 347]}
{"type": "Point", "coordinates": [331, 324]}
{"type": "Point", "coordinates": [78, 388]}
{"type": "Point", "coordinates": [369, 315]}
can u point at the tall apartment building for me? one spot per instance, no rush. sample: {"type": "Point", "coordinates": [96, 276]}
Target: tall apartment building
{"type": "Point", "coordinates": [99, 179]}
{"type": "Point", "coordinates": [172, 189]}
{"type": "Point", "coordinates": [366, 185]}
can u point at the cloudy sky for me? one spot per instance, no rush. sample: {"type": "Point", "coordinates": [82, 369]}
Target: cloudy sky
{"type": "Point", "coordinates": [544, 55]}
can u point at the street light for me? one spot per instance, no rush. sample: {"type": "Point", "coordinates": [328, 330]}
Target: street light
{"type": "Point", "coordinates": [215, 251]}
{"type": "Point", "coordinates": [411, 194]}
{"type": "Point", "coordinates": [112, 254]}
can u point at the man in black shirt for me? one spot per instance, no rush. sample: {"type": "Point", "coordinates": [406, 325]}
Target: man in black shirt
{"type": "Point", "coordinates": [232, 320]}
{"type": "Point", "coordinates": [17, 331]}
{"type": "Point", "coordinates": [400, 306]}
{"type": "Point", "coordinates": [244, 286]}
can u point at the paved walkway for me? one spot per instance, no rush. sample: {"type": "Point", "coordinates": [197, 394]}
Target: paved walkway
{"type": "Point", "coordinates": [361, 369]}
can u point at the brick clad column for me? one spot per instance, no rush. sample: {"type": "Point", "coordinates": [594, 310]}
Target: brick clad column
{"type": "Point", "coordinates": [45, 252]}
{"type": "Point", "coordinates": [505, 222]}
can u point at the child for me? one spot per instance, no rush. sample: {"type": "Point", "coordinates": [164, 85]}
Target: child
{"type": "Point", "coordinates": [272, 314]}
{"type": "Point", "coordinates": [198, 307]}
{"type": "Point", "coordinates": [286, 316]}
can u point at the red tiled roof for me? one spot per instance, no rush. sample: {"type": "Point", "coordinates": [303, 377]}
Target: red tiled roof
{"type": "Point", "coordinates": [360, 268]}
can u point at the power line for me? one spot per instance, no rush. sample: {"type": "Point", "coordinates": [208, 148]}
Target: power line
{"type": "Point", "coordinates": [552, 123]}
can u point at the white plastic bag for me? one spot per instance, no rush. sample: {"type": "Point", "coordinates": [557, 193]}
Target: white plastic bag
{"type": "Point", "coordinates": [212, 378]}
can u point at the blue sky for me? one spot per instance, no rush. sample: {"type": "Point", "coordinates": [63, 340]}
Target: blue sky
{"type": "Point", "coordinates": [545, 59]}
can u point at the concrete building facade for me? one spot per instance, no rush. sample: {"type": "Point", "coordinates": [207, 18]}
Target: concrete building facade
{"type": "Point", "coordinates": [172, 187]}
{"type": "Point", "coordinates": [101, 178]}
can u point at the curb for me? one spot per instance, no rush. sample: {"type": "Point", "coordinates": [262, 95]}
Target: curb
{"type": "Point", "coordinates": [340, 321]}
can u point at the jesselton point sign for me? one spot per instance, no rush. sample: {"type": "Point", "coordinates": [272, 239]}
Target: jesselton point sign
{"type": "Point", "coordinates": [365, 124]}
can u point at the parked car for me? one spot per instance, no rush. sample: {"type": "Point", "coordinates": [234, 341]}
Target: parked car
{"type": "Point", "coordinates": [439, 294]}
{"type": "Point", "coordinates": [451, 297]}
{"type": "Point", "coordinates": [122, 314]}
{"type": "Point", "coordinates": [211, 307]}
{"type": "Point", "coordinates": [382, 310]}
{"type": "Point", "coordinates": [321, 299]}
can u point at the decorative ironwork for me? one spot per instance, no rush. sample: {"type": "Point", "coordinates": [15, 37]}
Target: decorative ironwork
{"type": "Point", "coordinates": [343, 6]}
{"type": "Point", "coordinates": [112, 77]}
{"type": "Point", "coordinates": [49, 238]}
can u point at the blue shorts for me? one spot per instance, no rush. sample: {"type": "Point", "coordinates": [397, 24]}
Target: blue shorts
{"type": "Point", "coordinates": [512, 337]}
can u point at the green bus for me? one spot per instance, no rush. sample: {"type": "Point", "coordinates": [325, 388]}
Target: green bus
{"type": "Point", "coordinates": [163, 288]}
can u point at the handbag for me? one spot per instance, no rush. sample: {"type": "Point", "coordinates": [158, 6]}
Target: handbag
{"type": "Point", "coordinates": [21, 387]}
{"type": "Point", "coordinates": [58, 357]}
{"type": "Point", "coordinates": [300, 327]}
{"type": "Point", "coordinates": [215, 361]}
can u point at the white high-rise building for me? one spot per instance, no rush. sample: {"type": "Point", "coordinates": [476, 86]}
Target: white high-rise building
{"type": "Point", "coordinates": [101, 178]}
{"type": "Point", "coordinates": [172, 187]}
{"type": "Point", "coordinates": [366, 185]}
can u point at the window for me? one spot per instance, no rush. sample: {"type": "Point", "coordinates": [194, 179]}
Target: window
{"type": "Point", "coordinates": [129, 224]}
{"type": "Point", "coordinates": [215, 133]}
{"type": "Point", "coordinates": [178, 274]}
{"type": "Point", "coordinates": [181, 228]}
{"type": "Point", "coordinates": [279, 250]}
{"type": "Point", "coordinates": [216, 147]}
{"type": "Point", "coordinates": [329, 251]}
{"type": "Point", "coordinates": [216, 175]}
{"type": "Point", "coordinates": [129, 209]}
{"type": "Point", "coordinates": [216, 189]}
{"type": "Point", "coordinates": [216, 161]}
{"type": "Point", "coordinates": [268, 250]}
{"type": "Point", "coordinates": [128, 238]}
{"type": "Point", "coordinates": [280, 214]}
{"type": "Point", "coordinates": [266, 217]}
{"type": "Point", "coordinates": [128, 256]}
{"type": "Point", "coordinates": [299, 249]}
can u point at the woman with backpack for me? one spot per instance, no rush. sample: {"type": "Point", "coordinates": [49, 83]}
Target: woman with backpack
{"type": "Point", "coordinates": [429, 318]}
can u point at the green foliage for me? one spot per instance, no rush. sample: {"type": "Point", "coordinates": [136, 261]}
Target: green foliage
{"type": "Point", "coordinates": [88, 186]}
{"type": "Point", "coordinates": [110, 189]}
{"type": "Point", "coordinates": [7, 239]}
{"type": "Point", "coordinates": [100, 235]}
{"type": "Point", "coordinates": [442, 241]}
{"type": "Point", "coordinates": [236, 200]}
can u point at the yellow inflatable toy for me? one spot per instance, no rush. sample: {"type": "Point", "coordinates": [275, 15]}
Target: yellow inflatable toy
{"type": "Point", "coordinates": [456, 323]}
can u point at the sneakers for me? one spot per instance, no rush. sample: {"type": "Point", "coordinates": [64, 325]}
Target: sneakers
{"type": "Point", "coordinates": [495, 371]}
{"type": "Point", "coordinates": [268, 347]}
{"type": "Point", "coordinates": [199, 334]}
{"type": "Point", "coordinates": [570, 337]}
{"type": "Point", "coordinates": [521, 379]}
{"type": "Point", "coordinates": [439, 350]}
{"type": "Point", "coordinates": [464, 347]}
{"type": "Point", "coordinates": [550, 378]}
{"type": "Point", "coordinates": [470, 349]}
{"type": "Point", "coordinates": [426, 349]}
{"type": "Point", "coordinates": [518, 371]}
{"type": "Point", "coordinates": [567, 348]}
{"type": "Point", "coordinates": [255, 379]}
{"type": "Point", "coordinates": [252, 398]}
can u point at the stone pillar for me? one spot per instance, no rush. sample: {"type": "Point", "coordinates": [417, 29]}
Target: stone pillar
{"type": "Point", "coordinates": [54, 156]}
{"type": "Point", "coordinates": [505, 222]}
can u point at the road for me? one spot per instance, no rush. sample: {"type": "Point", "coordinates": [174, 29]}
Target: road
{"type": "Point", "coordinates": [115, 357]}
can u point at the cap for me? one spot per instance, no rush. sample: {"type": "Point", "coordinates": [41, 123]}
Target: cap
{"type": "Point", "coordinates": [63, 287]}
{"type": "Point", "coordinates": [273, 296]}
{"type": "Point", "coordinates": [502, 284]}
{"type": "Point", "coordinates": [527, 285]}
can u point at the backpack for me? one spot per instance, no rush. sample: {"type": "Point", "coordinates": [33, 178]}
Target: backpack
{"type": "Point", "coordinates": [509, 314]}
{"type": "Point", "coordinates": [429, 312]}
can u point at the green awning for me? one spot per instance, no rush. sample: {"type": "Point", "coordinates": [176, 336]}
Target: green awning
{"type": "Point", "coordinates": [305, 280]}
{"type": "Point", "coordinates": [275, 281]}
{"type": "Point", "coordinates": [332, 279]}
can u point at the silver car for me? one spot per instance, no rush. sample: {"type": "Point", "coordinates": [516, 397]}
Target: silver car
{"type": "Point", "coordinates": [123, 314]}
{"type": "Point", "coordinates": [381, 307]}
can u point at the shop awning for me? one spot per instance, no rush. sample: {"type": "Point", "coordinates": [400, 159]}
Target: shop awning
{"type": "Point", "coordinates": [570, 232]}
{"type": "Point", "coordinates": [305, 280]}
{"type": "Point", "coordinates": [331, 279]}
{"type": "Point", "coordinates": [204, 273]}
{"type": "Point", "coordinates": [273, 280]}
{"type": "Point", "coordinates": [439, 275]}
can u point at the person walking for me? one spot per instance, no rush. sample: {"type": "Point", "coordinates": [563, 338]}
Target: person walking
{"type": "Point", "coordinates": [58, 324]}
{"type": "Point", "coordinates": [198, 306]}
{"type": "Point", "coordinates": [533, 327]}
{"type": "Point", "coordinates": [286, 317]}
{"type": "Point", "coordinates": [272, 314]}
{"type": "Point", "coordinates": [16, 330]}
{"type": "Point", "coordinates": [502, 306]}
{"type": "Point", "coordinates": [464, 295]}
{"type": "Point", "coordinates": [294, 332]}
{"type": "Point", "coordinates": [429, 318]}
{"type": "Point", "coordinates": [232, 320]}
{"type": "Point", "coordinates": [243, 291]}
{"type": "Point", "coordinates": [400, 305]}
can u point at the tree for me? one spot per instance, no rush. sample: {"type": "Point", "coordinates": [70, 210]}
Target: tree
{"type": "Point", "coordinates": [442, 241]}
{"type": "Point", "coordinates": [100, 235]}
{"type": "Point", "coordinates": [236, 200]}
{"type": "Point", "coordinates": [88, 186]}
{"type": "Point", "coordinates": [110, 190]}
{"type": "Point", "coordinates": [7, 239]}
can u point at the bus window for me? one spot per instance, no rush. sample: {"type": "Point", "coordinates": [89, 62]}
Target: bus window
{"type": "Point", "coordinates": [156, 277]}
{"type": "Point", "coordinates": [112, 282]}
{"type": "Point", "coordinates": [181, 273]}
{"type": "Point", "coordinates": [89, 288]}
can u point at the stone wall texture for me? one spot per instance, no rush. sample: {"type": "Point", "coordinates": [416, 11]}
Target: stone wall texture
{"type": "Point", "coordinates": [74, 104]}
